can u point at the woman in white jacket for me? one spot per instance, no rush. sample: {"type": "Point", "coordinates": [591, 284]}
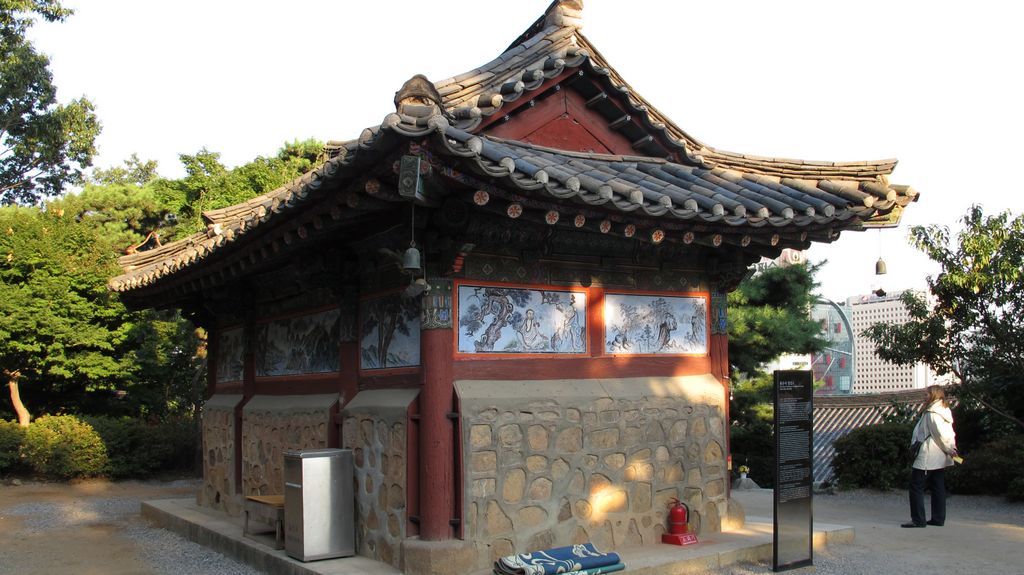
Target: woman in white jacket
{"type": "Point", "coordinates": [938, 447]}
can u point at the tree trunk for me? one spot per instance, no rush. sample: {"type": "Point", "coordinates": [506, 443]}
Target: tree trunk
{"type": "Point", "coordinates": [19, 407]}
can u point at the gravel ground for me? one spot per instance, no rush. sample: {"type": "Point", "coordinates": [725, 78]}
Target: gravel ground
{"type": "Point", "coordinates": [33, 526]}
{"type": "Point", "coordinates": [97, 528]}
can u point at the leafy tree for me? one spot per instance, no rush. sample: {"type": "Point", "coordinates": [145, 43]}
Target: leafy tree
{"type": "Point", "coordinates": [769, 316]}
{"type": "Point", "coordinates": [123, 209]}
{"type": "Point", "coordinates": [169, 356]}
{"type": "Point", "coordinates": [44, 145]}
{"type": "Point", "coordinates": [59, 325]}
{"type": "Point", "coordinates": [135, 171]}
{"type": "Point", "coordinates": [975, 331]}
{"type": "Point", "coordinates": [209, 185]}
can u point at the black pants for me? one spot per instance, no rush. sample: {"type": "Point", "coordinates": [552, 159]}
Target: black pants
{"type": "Point", "coordinates": [936, 481]}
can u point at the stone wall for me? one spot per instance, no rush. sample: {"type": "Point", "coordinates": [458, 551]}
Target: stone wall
{"type": "Point", "coordinates": [551, 463]}
{"type": "Point", "coordinates": [273, 424]}
{"type": "Point", "coordinates": [218, 489]}
{"type": "Point", "coordinates": [376, 430]}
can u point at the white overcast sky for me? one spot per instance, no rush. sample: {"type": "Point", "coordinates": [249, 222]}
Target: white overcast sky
{"type": "Point", "coordinates": [937, 85]}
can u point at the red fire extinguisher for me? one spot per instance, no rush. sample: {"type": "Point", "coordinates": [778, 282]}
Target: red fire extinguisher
{"type": "Point", "coordinates": [677, 517]}
{"type": "Point", "coordinates": [678, 524]}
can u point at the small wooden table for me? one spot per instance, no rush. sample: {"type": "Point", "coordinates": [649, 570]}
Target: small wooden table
{"type": "Point", "coordinates": [267, 509]}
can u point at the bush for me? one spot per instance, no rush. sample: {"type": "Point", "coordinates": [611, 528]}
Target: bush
{"type": "Point", "coordinates": [754, 446]}
{"type": "Point", "coordinates": [875, 456]}
{"type": "Point", "coordinates": [12, 436]}
{"type": "Point", "coordinates": [990, 468]}
{"type": "Point", "coordinates": [139, 449]}
{"type": "Point", "coordinates": [64, 447]}
{"type": "Point", "coordinates": [1016, 490]}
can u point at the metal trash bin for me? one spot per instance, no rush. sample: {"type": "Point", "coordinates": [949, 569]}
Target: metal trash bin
{"type": "Point", "coordinates": [319, 518]}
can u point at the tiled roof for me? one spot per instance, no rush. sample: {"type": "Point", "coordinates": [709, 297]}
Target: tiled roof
{"type": "Point", "coordinates": [555, 44]}
{"type": "Point", "coordinates": [731, 194]}
{"type": "Point", "coordinates": [652, 188]}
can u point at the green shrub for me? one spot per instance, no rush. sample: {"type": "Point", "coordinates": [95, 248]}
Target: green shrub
{"type": "Point", "coordinates": [183, 437]}
{"type": "Point", "coordinates": [990, 468]}
{"type": "Point", "coordinates": [138, 449]}
{"type": "Point", "coordinates": [12, 436]}
{"type": "Point", "coordinates": [64, 447]}
{"type": "Point", "coordinates": [874, 456]}
{"type": "Point", "coordinates": [134, 449]}
{"type": "Point", "coordinates": [1015, 491]}
{"type": "Point", "coordinates": [753, 445]}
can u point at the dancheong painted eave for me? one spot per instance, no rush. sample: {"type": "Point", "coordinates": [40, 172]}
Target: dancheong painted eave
{"type": "Point", "coordinates": [673, 189]}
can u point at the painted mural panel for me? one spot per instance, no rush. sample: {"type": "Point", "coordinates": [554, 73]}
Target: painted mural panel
{"type": "Point", "coordinates": [646, 324]}
{"type": "Point", "coordinates": [389, 332]}
{"type": "Point", "coordinates": [231, 355]}
{"type": "Point", "coordinates": [299, 345]}
{"type": "Point", "coordinates": [497, 319]}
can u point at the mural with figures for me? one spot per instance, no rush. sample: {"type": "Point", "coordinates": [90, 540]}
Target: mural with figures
{"type": "Point", "coordinates": [389, 333]}
{"type": "Point", "coordinates": [230, 355]}
{"type": "Point", "coordinates": [644, 324]}
{"type": "Point", "coordinates": [496, 319]}
{"type": "Point", "coordinates": [299, 345]}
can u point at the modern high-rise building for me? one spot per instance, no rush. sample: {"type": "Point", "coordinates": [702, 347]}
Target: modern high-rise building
{"type": "Point", "coordinates": [848, 363]}
{"type": "Point", "coordinates": [872, 374]}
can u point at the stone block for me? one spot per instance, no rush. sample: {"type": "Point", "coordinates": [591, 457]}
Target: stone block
{"type": "Point", "coordinates": [642, 497]}
{"type": "Point", "coordinates": [484, 462]}
{"type": "Point", "coordinates": [714, 488]}
{"type": "Point", "coordinates": [540, 489]}
{"type": "Point", "coordinates": [510, 436]}
{"type": "Point", "coordinates": [480, 436]}
{"type": "Point", "coordinates": [513, 485]}
{"type": "Point", "coordinates": [713, 453]}
{"type": "Point", "coordinates": [559, 469]}
{"type": "Point", "coordinates": [496, 521]}
{"type": "Point", "coordinates": [569, 440]}
{"type": "Point", "coordinates": [536, 463]}
{"type": "Point", "coordinates": [603, 438]}
{"type": "Point", "coordinates": [483, 487]}
{"type": "Point", "coordinates": [615, 460]}
{"type": "Point", "coordinates": [530, 517]}
{"type": "Point", "coordinates": [537, 437]}
{"type": "Point", "coordinates": [543, 540]}
{"type": "Point", "coordinates": [677, 433]}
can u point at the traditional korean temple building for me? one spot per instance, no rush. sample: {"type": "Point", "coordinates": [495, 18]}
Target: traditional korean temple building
{"type": "Point", "coordinates": [508, 298]}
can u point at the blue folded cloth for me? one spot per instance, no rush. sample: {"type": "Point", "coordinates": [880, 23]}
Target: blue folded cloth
{"type": "Point", "coordinates": [584, 559]}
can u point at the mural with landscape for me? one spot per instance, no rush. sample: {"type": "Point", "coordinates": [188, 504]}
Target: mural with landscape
{"type": "Point", "coordinates": [299, 345]}
{"type": "Point", "coordinates": [389, 333]}
{"type": "Point", "coordinates": [513, 320]}
{"type": "Point", "coordinates": [643, 324]}
{"type": "Point", "coordinates": [231, 355]}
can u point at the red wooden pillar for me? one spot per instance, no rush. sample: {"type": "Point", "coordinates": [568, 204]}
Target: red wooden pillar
{"type": "Point", "coordinates": [248, 390]}
{"type": "Point", "coordinates": [720, 361]}
{"type": "Point", "coordinates": [436, 434]}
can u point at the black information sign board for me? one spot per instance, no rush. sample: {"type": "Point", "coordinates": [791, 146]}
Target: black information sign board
{"type": "Point", "coordinates": [794, 520]}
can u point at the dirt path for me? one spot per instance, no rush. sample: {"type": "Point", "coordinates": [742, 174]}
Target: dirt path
{"type": "Point", "coordinates": [89, 527]}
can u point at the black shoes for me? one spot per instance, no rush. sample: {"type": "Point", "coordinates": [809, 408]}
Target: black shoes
{"type": "Point", "coordinates": [913, 525]}
{"type": "Point", "coordinates": [935, 523]}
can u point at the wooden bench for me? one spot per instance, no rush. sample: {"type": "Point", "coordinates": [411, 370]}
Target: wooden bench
{"type": "Point", "coordinates": [269, 510]}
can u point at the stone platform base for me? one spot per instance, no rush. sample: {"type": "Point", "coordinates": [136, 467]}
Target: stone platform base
{"type": "Point", "coordinates": [438, 557]}
{"type": "Point", "coordinates": [222, 533]}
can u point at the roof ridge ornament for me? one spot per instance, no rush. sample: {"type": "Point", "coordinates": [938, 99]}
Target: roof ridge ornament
{"type": "Point", "coordinates": [564, 14]}
{"type": "Point", "coordinates": [419, 98]}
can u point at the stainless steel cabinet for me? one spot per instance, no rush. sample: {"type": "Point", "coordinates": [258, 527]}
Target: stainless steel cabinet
{"type": "Point", "coordinates": [319, 519]}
